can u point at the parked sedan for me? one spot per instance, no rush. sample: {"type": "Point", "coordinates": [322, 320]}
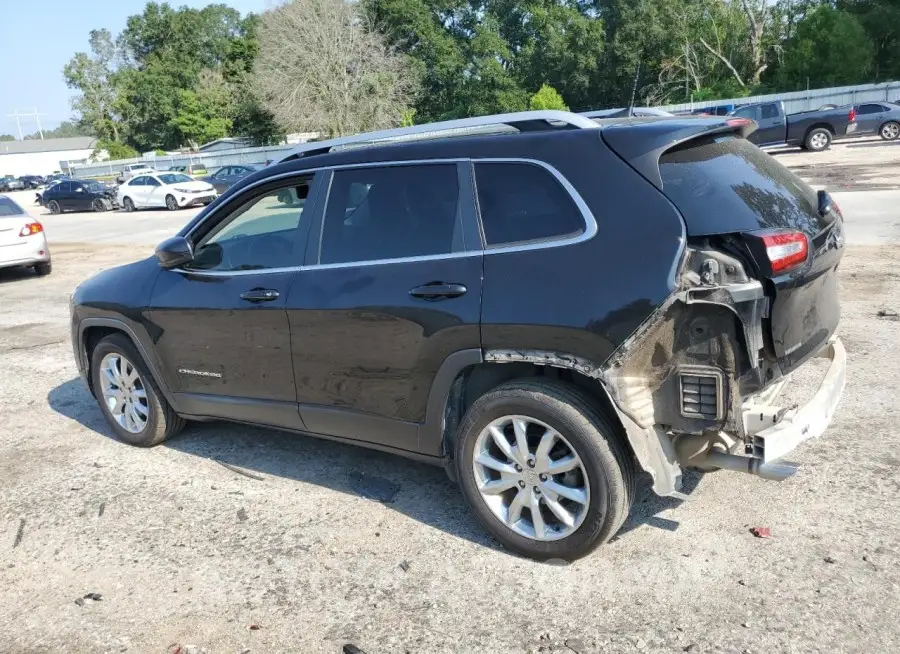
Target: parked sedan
{"type": "Point", "coordinates": [882, 118]}
{"type": "Point", "coordinates": [224, 177]}
{"type": "Point", "coordinates": [78, 195]}
{"type": "Point", "coordinates": [22, 239]}
{"type": "Point", "coordinates": [170, 190]}
{"type": "Point", "coordinates": [8, 184]}
{"type": "Point", "coordinates": [32, 181]}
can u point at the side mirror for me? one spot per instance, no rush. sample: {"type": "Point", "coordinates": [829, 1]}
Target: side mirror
{"type": "Point", "coordinates": [174, 252]}
{"type": "Point", "coordinates": [825, 204]}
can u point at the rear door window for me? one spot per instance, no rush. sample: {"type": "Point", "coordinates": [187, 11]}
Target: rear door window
{"type": "Point", "coordinates": [392, 212]}
{"type": "Point", "coordinates": [724, 184]}
{"type": "Point", "coordinates": [867, 109]}
{"type": "Point", "coordinates": [769, 111]}
{"type": "Point", "coordinates": [524, 203]}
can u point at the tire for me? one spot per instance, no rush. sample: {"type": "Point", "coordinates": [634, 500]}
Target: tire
{"type": "Point", "coordinates": [818, 139]}
{"type": "Point", "coordinates": [128, 204]}
{"type": "Point", "coordinates": [171, 203]}
{"type": "Point", "coordinates": [53, 207]}
{"type": "Point", "coordinates": [43, 269]}
{"type": "Point", "coordinates": [161, 421]}
{"type": "Point", "coordinates": [587, 433]}
{"type": "Point", "coordinates": [98, 205]}
{"type": "Point", "coordinates": [890, 131]}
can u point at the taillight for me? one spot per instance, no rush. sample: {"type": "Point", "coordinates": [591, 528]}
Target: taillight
{"type": "Point", "coordinates": [738, 122]}
{"type": "Point", "coordinates": [852, 114]}
{"type": "Point", "coordinates": [786, 250]}
{"type": "Point", "coordinates": [31, 228]}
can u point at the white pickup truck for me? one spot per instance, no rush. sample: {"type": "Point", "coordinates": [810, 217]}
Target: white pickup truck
{"type": "Point", "coordinates": [131, 170]}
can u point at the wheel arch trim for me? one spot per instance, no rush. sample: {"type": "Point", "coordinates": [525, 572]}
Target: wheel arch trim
{"type": "Point", "coordinates": [120, 325]}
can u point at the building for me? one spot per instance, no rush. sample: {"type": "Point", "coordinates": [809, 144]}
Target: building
{"type": "Point", "coordinates": [44, 156]}
{"type": "Point", "coordinates": [221, 145]}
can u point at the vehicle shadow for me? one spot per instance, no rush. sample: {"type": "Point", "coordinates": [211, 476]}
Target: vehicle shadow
{"type": "Point", "coordinates": [417, 490]}
{"type": "Point", "coordinates": [8, 275]}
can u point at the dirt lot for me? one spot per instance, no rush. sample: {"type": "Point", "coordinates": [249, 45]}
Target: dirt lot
{"type": "Point", "coordinates": [184, 551]}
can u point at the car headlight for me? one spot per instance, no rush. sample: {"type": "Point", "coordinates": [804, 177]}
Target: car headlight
{"type": "Point", "coordinates": [182, 190]}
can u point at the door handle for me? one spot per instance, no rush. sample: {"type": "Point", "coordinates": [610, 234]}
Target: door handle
{"type": "Point", "coordinates": [438, 291]}
{"type": "Point", "coordinates": [260, 295]}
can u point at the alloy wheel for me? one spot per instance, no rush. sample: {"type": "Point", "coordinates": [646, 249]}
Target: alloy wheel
{"type": "Point", "coordinates": [124, 393]}
{"type": "Point", "coordinates": [171, 203]}
{"type": "Point", "coordinates": [819, 141]}
{"type": "Point", "coordinates": [531, 478]}
{"type": "Point", "coordinates": [890, 132]}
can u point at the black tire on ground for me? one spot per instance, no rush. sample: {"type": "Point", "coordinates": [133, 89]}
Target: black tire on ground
{"type": "Point", "coordinates": [127, 204]}
{"type": "Point", "coordinates": [577, 417]}
{"type": "Point", "coordinates": [890, 131]}
{"type": "Point", "coordinates": [818, 139]}
{"type": "Point", "coordinates": [98, 205]}
{"type": "Point", "coordinates": [43, 268]}
{"type": "Point", "coordinates": [171, 203]}
{"type": "Point", "coordinates": [162, 422]}
{"type": "Point", "coordinates": [53, 206]}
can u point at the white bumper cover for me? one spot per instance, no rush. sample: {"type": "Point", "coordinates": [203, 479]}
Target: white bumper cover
{"type": "Point", "coordinates": [776, 430]}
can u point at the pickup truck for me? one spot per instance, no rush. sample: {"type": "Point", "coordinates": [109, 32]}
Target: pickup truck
{"type": "Point", "coordinates": [811, 130]}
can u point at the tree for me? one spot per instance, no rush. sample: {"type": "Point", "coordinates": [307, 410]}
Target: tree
{"type": "Point", "coordinates": [547, 97]}
{"type": "Point", "coordinates": [829, 48]}
{"type": "Point", "coordinates": [320, 68]}
{"type": "Point", "coordinates": [114, 149]}
{"type": "Point", "coordinates": [93, 76]}
{"type": "Point", "coordinates": [205, 114]}
{"type": "Point", "coordinates": [881, 20]}
{"type": "Point", "coordinates": [7, 137]}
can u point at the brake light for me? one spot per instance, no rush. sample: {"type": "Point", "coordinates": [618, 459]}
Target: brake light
{"type": "Point", "coordinates": [31, 228]}
{"type": "Point", "coordinates": [738, 122]}
{"type": "Point", "coordinates": [786, 250]}
{"type": "Point", "coordinates": [852, 114]}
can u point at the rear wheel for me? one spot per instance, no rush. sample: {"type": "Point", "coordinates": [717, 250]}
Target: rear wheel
{"type": "Point", "coordinates": [890, 131]}
{"type": "Point", "coordinates": [818, 139]}
{"type": "Point", "coordinates": [543, 469]}
{"type": "Point", "coordinates": [130, 400]}
{"type": "Point", "coordinates": [53, 206]}
{"type": "Point", "coordinates": [128, 204]}
{"type": "Point", "coordinates": [43, 268]}
{"type": "Point", "coordinates": [171, 203]}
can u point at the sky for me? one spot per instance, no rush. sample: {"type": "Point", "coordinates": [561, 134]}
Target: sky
{"type": "Point", "coordinates": [38, 38]}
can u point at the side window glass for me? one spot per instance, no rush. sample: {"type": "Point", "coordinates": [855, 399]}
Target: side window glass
{"type": "Point", "coordinates": [769, 111]}
{"type": "Point", "coordinates": [223, 172]}
{"type": "Point", "coordinates": [391, 213]}
{"type": "Point", "coordinates": [746, 112]}
{"type": "Point", "coordinates": [869, 109]}
{"type": "Point", "coordinates": [261, 233]}
{"type": "Point", "coordinates": [522, 203]}
{"type": "Point", "coordinates": [137, 181]}
{"type": "Point", "coordinates": [64, 187]}
{"type": "Point", "coordinates": [151, 181]}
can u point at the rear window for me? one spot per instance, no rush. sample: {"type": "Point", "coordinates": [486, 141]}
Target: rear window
{"type": "Point", "coordinates": [725, 184]}
{"type": "Point", "coordinates": [9, 208]}
{"type": "Point", "coordinates": [523, 203]}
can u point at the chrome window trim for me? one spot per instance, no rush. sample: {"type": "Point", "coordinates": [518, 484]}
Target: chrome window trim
{"type": "Point", "coordinates": [589, 232]}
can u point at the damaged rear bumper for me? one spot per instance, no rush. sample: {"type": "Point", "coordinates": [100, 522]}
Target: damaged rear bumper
{"type": "Point", "coordinates": [777, 431]}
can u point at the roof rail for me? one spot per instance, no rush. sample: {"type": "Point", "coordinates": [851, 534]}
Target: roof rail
{"type": "Point", "coordinates": [524, 121]}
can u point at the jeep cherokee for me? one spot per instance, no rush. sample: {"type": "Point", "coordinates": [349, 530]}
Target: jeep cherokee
{"type": "Point", "coordinates": [544, 304]}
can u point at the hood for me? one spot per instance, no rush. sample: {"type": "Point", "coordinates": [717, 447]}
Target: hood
{"type": "Point", "coordinates": [196, 185]}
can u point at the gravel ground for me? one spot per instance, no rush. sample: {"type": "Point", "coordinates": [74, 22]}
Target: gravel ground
{"type": "Point", "coordinates": [328, 544]}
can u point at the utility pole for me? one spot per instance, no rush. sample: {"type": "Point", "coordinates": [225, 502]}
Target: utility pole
{"type": "Point", "coordinates": [37, 116]}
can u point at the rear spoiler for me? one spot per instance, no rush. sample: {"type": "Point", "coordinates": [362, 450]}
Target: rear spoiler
{"type": "Point", "coordinates": [642, 142]}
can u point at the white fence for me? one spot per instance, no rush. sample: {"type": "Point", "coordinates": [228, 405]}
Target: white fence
{"type": "Point", "coordinates": [808, 100]}
{"type": "Point", "coordinates": [210, 160]}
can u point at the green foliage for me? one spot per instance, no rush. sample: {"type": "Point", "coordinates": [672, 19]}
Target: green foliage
{"type": "Point", "coordinates": [829, 48]}
{"type": "Point", "coordinates": [115, 150]}
{"type": "Point", "coordinates": [409, 118]}
{"type": "Point", "coordinates": [547, 97]}
{"type": "Point", "coordinates": [7, 137]}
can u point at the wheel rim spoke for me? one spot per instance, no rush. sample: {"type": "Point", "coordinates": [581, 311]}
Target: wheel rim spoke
{"type": "Point", "coordinates": [554, 489]}
{"type": "Point", "coordinates": [124, 393]}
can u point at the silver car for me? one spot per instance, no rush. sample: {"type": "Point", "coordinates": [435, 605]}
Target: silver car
{"type": "Point", "coordinates": [22, 239]}
{"type": "Point", "coordinates": [882, 118]}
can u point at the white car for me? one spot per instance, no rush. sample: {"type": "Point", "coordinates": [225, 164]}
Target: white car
{"type": "Point", "coordinates": [170, 190]}
{"type": "Point", "coordinates": [22, 239]}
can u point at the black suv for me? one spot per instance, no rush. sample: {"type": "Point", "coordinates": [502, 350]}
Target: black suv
{"type": "Point", "coordinates": [543, 304]}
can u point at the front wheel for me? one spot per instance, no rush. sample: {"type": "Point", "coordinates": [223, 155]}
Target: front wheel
{"type": "Point", "coordinates": [98, 205]}
{"type": "Point", "coordinates": [890, 131]}
{"type": "Point", "coordinates": [543, 469]}
{"type": "Point", "coordinates": [171, 203]}
{"type": "Point", "coordinates": [818, 139]}
{"type": "Point", "coordinates": [130, 400]}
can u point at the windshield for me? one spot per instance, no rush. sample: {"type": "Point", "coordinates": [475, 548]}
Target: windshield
{"type": "Point", "coordinates": [9, 208]}
{"type": "Point", "coordinates": [174, 178]}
